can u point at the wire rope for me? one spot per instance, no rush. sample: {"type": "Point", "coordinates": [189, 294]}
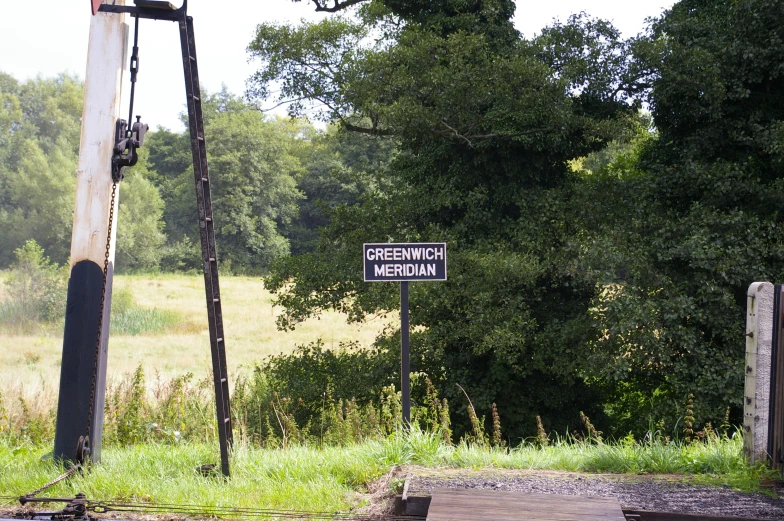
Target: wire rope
{"type": "Point", "coordinates": [100, 506]}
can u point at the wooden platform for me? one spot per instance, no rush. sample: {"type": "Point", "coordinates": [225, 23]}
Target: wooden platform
{"type": "Point", "coordinates": [490, 505]}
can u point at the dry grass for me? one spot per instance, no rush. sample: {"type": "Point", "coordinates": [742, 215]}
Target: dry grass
{"type": "Point", "coordinates": [31, 363]}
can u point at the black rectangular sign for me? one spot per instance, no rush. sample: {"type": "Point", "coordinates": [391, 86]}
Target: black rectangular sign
{"type": "Point", "coordinates": [386, 262]}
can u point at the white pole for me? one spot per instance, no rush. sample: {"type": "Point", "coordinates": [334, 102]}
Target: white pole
{"type": "Point", "coordinates": [106, 60]}
{"type": "Point", "coordinates": [83, 374]}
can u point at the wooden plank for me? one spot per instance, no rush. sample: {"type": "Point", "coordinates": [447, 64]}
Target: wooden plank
{"type": "Point", "coordinates": [414, 506]}
{"type": "Point", "coordinates": [570, 504]}
{"type": "Point", "coordinates": [492, 505]}
{"type": "Point", "coordinates": [102, 88]}
{"type": "Point", "coordinates": [588, 509]}
{"type": "Point", "coordinates": [479, 494]}
{"type": "Point", "coordinates": [644, 515]}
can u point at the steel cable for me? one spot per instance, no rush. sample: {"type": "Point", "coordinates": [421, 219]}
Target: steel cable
{"type": "Point", "coordinates": [230, 512]}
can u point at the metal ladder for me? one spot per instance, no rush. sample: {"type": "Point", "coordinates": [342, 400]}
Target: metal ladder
{"type": "Point", "coordinates": [207, 233]}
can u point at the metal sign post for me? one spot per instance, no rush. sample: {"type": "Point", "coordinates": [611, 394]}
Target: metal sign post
{"type": "Point", "coordinates": [405, 354]}
{"type": "Point", "coordinates": [404, 262]}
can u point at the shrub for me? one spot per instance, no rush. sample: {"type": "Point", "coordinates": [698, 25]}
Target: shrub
{"type": "Point", "coordinates": [37, 289]}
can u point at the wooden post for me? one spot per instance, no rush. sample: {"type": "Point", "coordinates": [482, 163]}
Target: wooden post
{"type": "Point", "coordinates": [83, 369]}
{"type": "Point", "coordinates": [756, 401]}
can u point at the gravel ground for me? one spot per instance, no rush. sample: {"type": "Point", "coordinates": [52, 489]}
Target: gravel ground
{"type": "Point", "coordinates": [660, 493]}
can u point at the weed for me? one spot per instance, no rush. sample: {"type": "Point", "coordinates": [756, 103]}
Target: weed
{"type": "Point", "coordinates": [593, 434]}
{"type": "Point", "coordinates": [445, 423]}
{"type": "Point", "coordinates": [497, 440]}
{"type": "Point", "coordinates": [478, 438]}
{"type": "Point", "coordinates": [30, 358]}
{"type": "Point", "coordinates": [541, 435]}
{"type": "Point", "coordinates": [725, 423]}
{"type": "Point", "coordinates": [688, 420]}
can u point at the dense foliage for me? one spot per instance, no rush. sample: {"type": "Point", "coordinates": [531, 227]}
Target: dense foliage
{"type": "Point", "coordinates": [579, 279]}
{"type": "Point", "coordinates": [487, 123]}
{"type": "Point", "coordinates": [692, 216]}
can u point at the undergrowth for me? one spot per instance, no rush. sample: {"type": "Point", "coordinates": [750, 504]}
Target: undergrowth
{"type": "Point", "coordinates": [170, 425]}
{"type": "Point", "coordinates": [128, 318]}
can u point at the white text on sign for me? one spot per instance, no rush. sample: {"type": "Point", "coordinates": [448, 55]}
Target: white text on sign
{"type": "Point", "coordinates": [404, 261]}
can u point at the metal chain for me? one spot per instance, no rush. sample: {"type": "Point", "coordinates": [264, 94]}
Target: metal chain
{"type": "Point", "coordinates": [100, 314]}
{"type": "Point", "coordinates": [52, 483]}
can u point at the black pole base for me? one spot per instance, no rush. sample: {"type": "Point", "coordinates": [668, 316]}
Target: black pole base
{"type": "Point", "coordinates": [78, 363]}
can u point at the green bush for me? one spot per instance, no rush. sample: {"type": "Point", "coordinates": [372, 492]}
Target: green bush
{"type": "Point", "coordinates": [179, 409]}
{"type": "Point", "coordinates": [36, 287]}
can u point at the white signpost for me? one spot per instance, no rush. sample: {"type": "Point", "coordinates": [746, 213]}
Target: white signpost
{"type": "Point", "coordinates": [404, 262]}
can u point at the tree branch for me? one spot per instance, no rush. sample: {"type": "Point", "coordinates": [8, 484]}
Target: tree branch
{"type": "Point", "coordinates": [453, 132]}
{"type": "Point", "coordinates": [365, 130]}
{"type": "Point", "coordinates": [321, 5]}
{"type": "Point", "coordinates": [284, 102]}
{"type": "Point", "coordinates": [457, 134]}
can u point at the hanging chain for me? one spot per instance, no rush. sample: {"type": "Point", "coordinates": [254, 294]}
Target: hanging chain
{"type": "Point", "coordinates": [101, 312]}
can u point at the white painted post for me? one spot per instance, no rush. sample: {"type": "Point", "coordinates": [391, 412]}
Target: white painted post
{"type": "Point", "coordinates": [82, 373]}
{"type": "Point", "coordinates": [759, 342]}
{"type": "Point", "coordinates": [106, 60]}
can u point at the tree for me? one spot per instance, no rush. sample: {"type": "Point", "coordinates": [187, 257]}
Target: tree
{"type": "Point", "coordinates": [39, 139]}
{"type": "Point", "coordinates": [487, 123]}
{"type": "Point", "coordinates": [339, 168]}
{"type": "Point", "coordinates": [695, 213]}
{"type": "Point", "coordinates": [252, 175]}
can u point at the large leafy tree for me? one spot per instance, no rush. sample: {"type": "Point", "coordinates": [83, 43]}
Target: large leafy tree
{"type": "Point", "coordinates": [339, 168]}
{"type": "Point", "coordinates": [695, 214]}
{"type": "Point", "coordinates": [487, 123]}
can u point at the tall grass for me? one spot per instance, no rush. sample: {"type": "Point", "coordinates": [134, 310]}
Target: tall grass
{"type": "Point", "coordinates": [329, 478]}
{"type": "Point", "coordinates": [157, 432]}
{"type": "Point", "coordinates": [181, 410]}
{"type": "Point", "coordinates": [156, 435]}
{"type": "Point", "coordinates": [140, 321]}
{"type": "Point", "coordinates": [302, 478]}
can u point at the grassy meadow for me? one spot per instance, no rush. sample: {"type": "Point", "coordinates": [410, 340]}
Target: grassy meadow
{"type": "Point", "coordinates": [31, 359]}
